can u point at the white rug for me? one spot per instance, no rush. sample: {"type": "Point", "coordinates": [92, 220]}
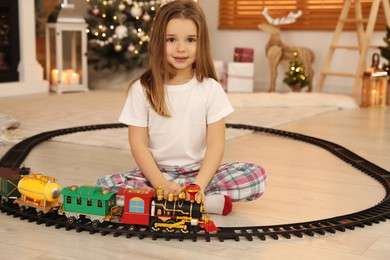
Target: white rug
{"type": "Point", "coordinates": [49, 112]}
{"type": "Point", "coordinates": [291, 100]}
{"type": "Point", "coordinates": [7, 124]}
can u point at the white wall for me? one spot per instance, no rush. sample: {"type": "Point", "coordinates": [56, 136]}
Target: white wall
{"type": "Point", "coordinates": [224, 42]}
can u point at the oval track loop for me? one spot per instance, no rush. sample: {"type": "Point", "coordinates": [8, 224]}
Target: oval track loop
{"type": "Point", "coordinates": [378, 213]}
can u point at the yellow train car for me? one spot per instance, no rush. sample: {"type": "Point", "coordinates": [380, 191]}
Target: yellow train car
{"type": "Point", "coordinates": [40, 192]}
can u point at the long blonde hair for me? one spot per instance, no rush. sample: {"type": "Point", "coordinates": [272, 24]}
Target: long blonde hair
{"type": "Point", "coordinates": [154, 78]}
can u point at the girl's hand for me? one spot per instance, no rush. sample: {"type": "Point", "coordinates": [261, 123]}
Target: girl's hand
{"type": "Point", "coordinates": [201, 193]}
{"type": "Point", "coordinates": [171, 187]}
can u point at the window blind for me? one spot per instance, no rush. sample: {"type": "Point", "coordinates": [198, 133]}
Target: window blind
{"type": "Point", "coordinates": [316, 14]}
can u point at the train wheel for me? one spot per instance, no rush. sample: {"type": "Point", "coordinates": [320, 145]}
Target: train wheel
{"type": "Point", "coordinates": [155, 224]}
{"type": "Point", "coordinates": [22, 209]}
{"type": "Point", "coordinates": [185, 229]}
{"type": "Point", "coordinates": [71, 220]}
{"type": "Point", "coordinates": [95, 223]}
{"type": "Point", "coordinates": [40, 213]}
{"type": "Point", "coordinates": [133, 228]}
{"type": "Point", "coordinates": [170, 229]}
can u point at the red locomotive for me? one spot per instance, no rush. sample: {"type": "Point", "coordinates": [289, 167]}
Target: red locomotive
{"type": "Point", "coordinates": [149, 208]}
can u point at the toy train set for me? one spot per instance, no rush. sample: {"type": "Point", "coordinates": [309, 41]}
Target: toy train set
{"type": "Point", "coordinates": [138, 208]}
{"type": "Point", "coordinates": [155, 221]}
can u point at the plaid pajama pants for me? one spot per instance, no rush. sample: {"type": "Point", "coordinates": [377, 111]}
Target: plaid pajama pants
{"type": "Point", "coordinates": [240, 181]}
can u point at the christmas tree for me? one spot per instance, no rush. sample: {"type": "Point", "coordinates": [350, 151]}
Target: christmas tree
{"type": "Point", "coordinates": [296, 77]}
{"type": "Point", "coordinates": [118, 31]}
{"type": "Point", "coordinates": [385, 51]}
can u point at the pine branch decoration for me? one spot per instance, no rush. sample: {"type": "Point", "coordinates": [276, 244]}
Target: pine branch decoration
{"type": "Point", "coordinates": [118, 32]}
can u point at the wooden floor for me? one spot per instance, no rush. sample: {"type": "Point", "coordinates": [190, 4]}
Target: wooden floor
{"type": "Point", "coordinates": [304, 183]}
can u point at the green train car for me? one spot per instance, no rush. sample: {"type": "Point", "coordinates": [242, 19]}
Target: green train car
{"type": "Point", "coordinates": [94, 203]}
{"type": "Point", "coordinates": [9, 180]}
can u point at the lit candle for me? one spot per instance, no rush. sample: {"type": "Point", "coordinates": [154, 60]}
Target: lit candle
{"type": "Point", "coordinates": [378, 87]}
{"type": "Point", "coordinates": [54, 77]}
{"type": "Point", "coordinates": [373, 97]}
{"type": "Point", "coordinates": [68, 77]}
{"type": "Point", "coordinates": [64, 78]}
{"type": "Point", "coordinates": [74, 78]}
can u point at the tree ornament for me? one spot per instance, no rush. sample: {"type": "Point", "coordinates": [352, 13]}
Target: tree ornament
{"type": "Point", "coordinates": [95, 10]}
{"type": "Point", "coordinates": [121, 31]}
{"type": "Point", "coordinates": [131, 47]}
{"type": "Point", "coordinates": [146, 17]}
{"type": "Point", "coordinates": [136, 11]}
{"type": "Point", "coordinates": [121, 7]}
{"type": "Point", "coordinates": [122, 18]}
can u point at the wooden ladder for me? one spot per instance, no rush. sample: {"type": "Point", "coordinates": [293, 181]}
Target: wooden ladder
{"type": "Point", "coordinates": [364, 39]}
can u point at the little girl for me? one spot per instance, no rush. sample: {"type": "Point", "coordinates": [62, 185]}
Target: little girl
{"type": "Point", "coordinates": [175, 115]}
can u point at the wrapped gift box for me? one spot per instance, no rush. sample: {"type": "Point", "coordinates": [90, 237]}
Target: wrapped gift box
{"type": "Point", "coordinates": [240, 77]}
{"type": "Point", "coordinates": [221, 72]}
{"type": "Point", "coordinates": [243, 54]}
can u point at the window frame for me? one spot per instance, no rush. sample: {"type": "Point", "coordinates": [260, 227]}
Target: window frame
{"type": "Point", "coordinates": [137, 205]}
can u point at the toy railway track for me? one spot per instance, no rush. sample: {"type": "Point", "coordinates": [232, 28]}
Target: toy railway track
{"type": "Point", "coordinates": [378, 213]}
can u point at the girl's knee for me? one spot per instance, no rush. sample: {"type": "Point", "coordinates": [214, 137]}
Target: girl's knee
{"type": "Point", "coordinates": [248, 179]}
{"type": "Point", "coordinates": [258, 183]}
{"type": "Point", "coordinates": [261, 176]}
{"type": "Point", "coordinates": [255, 172]}
{"type": "Point", "coordinates": [258, 171]}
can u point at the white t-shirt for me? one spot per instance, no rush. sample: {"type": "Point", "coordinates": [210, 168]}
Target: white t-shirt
{"type": "Point", "coordinates": [178, 140]}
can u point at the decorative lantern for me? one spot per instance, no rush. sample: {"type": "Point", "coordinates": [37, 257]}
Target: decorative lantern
{"type": "Point", "coordinates": [374, 85]}
{"type": "Point", "coordinates": [66, 50]}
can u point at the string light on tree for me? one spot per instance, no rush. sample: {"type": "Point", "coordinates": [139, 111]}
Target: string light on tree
{"type": "Point", "coordinates": [118, 31]}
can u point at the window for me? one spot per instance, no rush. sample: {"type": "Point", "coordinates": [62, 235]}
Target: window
{"type": "Point", "coordinates": [99, 203]}
{"type": "Point", "coordinates": [89, 202]}
{"type": "Point", "coordinates": [316, 14]}
{"type": "Point", "coordinates": [137, 205]}
{"type": "Point", "coordinates": [78, 201]}
{"type": "Point", "coordinates": [69, 199]}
